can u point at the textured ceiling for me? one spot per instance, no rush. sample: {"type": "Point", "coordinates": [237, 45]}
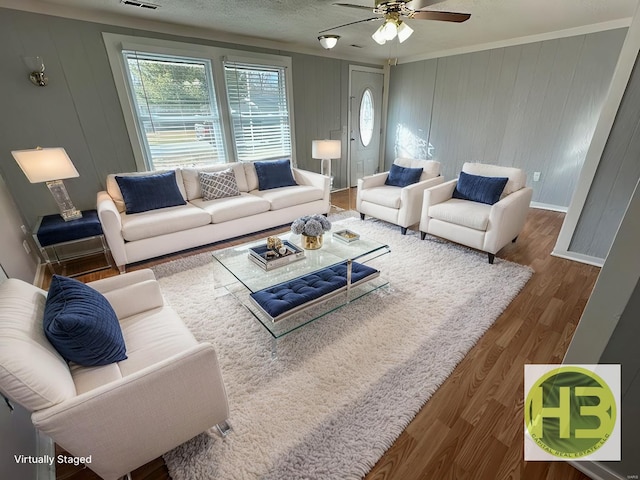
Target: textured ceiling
{"type": "Point", "coordinates": [294, 24]}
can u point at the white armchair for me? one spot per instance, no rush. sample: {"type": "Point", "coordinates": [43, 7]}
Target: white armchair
{"type": "Point", "coordinates": [478, 225]}
{"type": "Point", "coordinates": [398, 205]}
{"type": "Point", "coordinates": [124, 414]}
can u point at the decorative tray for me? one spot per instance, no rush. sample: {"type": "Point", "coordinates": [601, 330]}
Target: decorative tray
{"type": "Point", "coordinates": [346, 236]}
{"type": "Point", "coordinates": [270, 259]}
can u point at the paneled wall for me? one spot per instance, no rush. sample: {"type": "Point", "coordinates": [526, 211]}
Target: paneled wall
{"type": "Point", "coordinates": [534, 106]}
{"type": "Point", "coordinates": [80, 111]}
{"type": "Point", "coordinates": [616, 177]}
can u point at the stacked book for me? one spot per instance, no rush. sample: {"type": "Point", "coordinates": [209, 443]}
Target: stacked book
{"type": "Point", "coordinates": [270, 259]}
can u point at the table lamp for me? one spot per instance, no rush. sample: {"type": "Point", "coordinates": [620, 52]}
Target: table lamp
{"type": "Point", "coordinates": [50, 165]}
{"type": "Point", "coordinates": [325, 150]}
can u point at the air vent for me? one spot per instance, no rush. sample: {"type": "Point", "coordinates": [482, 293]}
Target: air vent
{"type": "Point", "coordinates": [133, 3]}
{"type": "Point", "coordinates": [356, 46]}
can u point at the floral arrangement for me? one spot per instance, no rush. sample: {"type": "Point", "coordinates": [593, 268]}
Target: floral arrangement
{"type": "Point", "coordinates": [311, 225]}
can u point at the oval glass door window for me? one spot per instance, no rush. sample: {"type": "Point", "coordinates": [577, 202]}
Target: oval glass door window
{"type": "Point", "coordinates": [366, 117]}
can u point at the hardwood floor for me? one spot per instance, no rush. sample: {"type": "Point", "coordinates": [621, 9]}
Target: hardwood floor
{"type": "Point", "coordinates": [472, 427]}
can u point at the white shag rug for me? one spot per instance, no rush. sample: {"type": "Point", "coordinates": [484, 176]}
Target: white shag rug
{"type": "Point", "coordinates": [344, 387]}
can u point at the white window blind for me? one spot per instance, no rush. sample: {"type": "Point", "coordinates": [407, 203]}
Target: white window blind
{"type": "Point", "coordinates": [175, 108]}
{"type": "Point", "coordinates": [257, 97]}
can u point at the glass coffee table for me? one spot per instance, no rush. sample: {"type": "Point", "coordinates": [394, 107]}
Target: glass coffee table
{"type": "Point", "coordinates": [247, 278]}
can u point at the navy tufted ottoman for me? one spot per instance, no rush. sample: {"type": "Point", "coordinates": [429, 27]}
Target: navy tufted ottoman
{"type": "Point", "coordinates": [286, 298]}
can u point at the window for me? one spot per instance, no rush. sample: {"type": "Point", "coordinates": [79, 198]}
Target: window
{"type": "Point", "coordinates": [191, 104]}
{"type": "Point", "coordinates": [175, 109]}
{"type": "Point", "coordinates": [366, 117]}
{"type": "Point", "coordinates": [257, 97]}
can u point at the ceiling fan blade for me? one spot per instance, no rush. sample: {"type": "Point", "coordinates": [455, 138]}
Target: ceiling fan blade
{"type": "Point", "coordinates": [442, 16]}
{"type": "Point", "coordinates": [420, 4]}
{"type": "Point", "coordinates": [351, 5]}
{"type": "Point", "coordinates": [351, 23]}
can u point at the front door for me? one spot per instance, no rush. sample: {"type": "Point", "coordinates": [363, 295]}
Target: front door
{"type": "Point", "coordinates": [365, 122]}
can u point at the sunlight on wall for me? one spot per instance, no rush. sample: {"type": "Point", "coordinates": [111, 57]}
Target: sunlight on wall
{"type": "Point", "coordinates": [408, 144]}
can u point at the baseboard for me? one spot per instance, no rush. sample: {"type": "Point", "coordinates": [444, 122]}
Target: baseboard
{"type": "Point", "coordinates": [579, 257]}
{"type": "Point", "coordinates": [548, 206]}
{"type": "Point", "coordinates": [45, 446]}
{"type": "Point", "coordinates": [596, 471]}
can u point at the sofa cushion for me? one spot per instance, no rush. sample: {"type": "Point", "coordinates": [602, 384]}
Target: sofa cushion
{"type": "Point", "coordinates": [384, 195]}
{"type": "Point", "coordinates": [274, 174]}
{"type": "Point", "coordinates": [113, 189]}
{"type": "Point", "coordinates": [218, 184]}
{"type": "Point", "coordinates": [232, 208]}
{"type": "Point", "coordinates": [284, 197]}
{"type": "Point", "coordinates": [163, 221]}
{"type": "Point", "coordinates": [479, 189]}
{"type": "Point", "coordinates": [402, 176]}
{"type": "Point", "coordinates": [462, 212]}
{"type": "Point", "coordinates": [191, 178]}
{"type": "Point", "coordinates": [81, 324]}
{"type": "Point", "coordinates": [32, 372]}
{"type": "Point", "coordinates": [517, 177]}
{"type": "Point", "coordinates": [430, 168]}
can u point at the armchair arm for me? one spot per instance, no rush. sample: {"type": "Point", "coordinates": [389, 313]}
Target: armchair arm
{"type": "Point", "coordinates": [112, 227]}
{"type": "Point", "coordinates": [411, 200]}
{"type": "Point", "coordinates": [129, 422]}
{"type": "Point", "coordinates": [370, 181]}
{"type": "Point", "coordinates": [432, 196]}
{"type": "Point", "coordinates": [506, 219]}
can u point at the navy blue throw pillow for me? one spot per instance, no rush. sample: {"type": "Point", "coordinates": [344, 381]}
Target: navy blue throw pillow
{"type": "Point", "coordinates": [142, 193]}
{"type": "Point", "coordinates": [479, 189]}
{"type": "Point", "coordinates": [274, 174]}
{"type": "Point", "coordinates": [403, 176]}
{"type": "Point", "coordinates": [81, 324]}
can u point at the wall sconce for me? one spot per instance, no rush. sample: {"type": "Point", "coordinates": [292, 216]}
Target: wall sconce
{"type": "Point", "coordinates": [36, 68]}
{"type": "Point", "coordinates": [328, 41]}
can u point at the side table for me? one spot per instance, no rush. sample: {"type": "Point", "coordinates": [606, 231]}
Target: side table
{"type": "Point", "coordinates": [65, 246]}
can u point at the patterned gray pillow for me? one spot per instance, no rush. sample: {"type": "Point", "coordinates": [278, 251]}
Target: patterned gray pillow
{"type": "Point", "coordinates": [218, 184]}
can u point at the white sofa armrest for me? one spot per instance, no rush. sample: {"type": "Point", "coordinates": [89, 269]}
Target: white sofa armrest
{"type": "Point", "coordinates": [145, 402]}
{"type": "Point", "coordinates": [112, 227]}
{"type": "Point", "coordinates": [305, 177]}
{"type": "Point", "coordinates": [507, 219]}
{"type": "Point", "coordinates": [411, 198]}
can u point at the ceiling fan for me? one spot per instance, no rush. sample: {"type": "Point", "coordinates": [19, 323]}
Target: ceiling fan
{"type": "Point", "coordinates": [393, 12]}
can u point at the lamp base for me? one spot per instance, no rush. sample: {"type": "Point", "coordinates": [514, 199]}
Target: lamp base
{"type": "Point", "coordinates": [67, 210]}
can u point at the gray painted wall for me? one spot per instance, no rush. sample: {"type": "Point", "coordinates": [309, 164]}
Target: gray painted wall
{"type": "Point", "coordinates": [534, 106]}
{"type": "Point", "coordinates": [80, 111]}
{"type": "Point", "coordinates": [14, 260]}
{"type": "Point", "coordinates": [616, 177]}
{"type": "Point", "coordinates": [620, 351]}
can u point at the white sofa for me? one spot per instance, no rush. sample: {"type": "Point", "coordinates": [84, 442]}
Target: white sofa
{"type": "Point", "coordinates": [123, 414]}
{"type": "Point", "coordinates": [478, 225]}
{"type": "Point", "coordinates": [136, 237]}
{"type": "Point", "coordinates": [398, 205]}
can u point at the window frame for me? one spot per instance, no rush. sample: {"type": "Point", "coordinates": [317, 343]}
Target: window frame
{"type": "Point", "coordinates": [116, 43]}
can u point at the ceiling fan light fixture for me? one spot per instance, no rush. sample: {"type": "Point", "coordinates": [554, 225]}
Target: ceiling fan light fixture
{"type": "Point", "coordinates": [404, 32]}
{"type": "Point", "coordinates": [389, 30]}
{"type": "Point", "coordinates": [328, 41]}
{"type": "Point", "coordinates": [378, 35]}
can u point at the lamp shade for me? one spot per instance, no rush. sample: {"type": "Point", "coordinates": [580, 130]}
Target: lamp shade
{"type": "Point", "coordinates": [328, 41]}
{"type": "Point", "coordinates": [324, 149]}
{"type": "Point", "coordinates": [45, 164]}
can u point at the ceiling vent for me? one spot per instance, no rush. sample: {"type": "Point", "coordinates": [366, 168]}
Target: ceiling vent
{"type": "Point", "coordinates": [133, 3]}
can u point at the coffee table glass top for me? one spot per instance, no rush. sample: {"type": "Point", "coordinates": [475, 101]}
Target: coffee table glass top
{"type": "Point", "coordinates": [334, 251]}
{"type": "Point", "coordinates": [247, 277]}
